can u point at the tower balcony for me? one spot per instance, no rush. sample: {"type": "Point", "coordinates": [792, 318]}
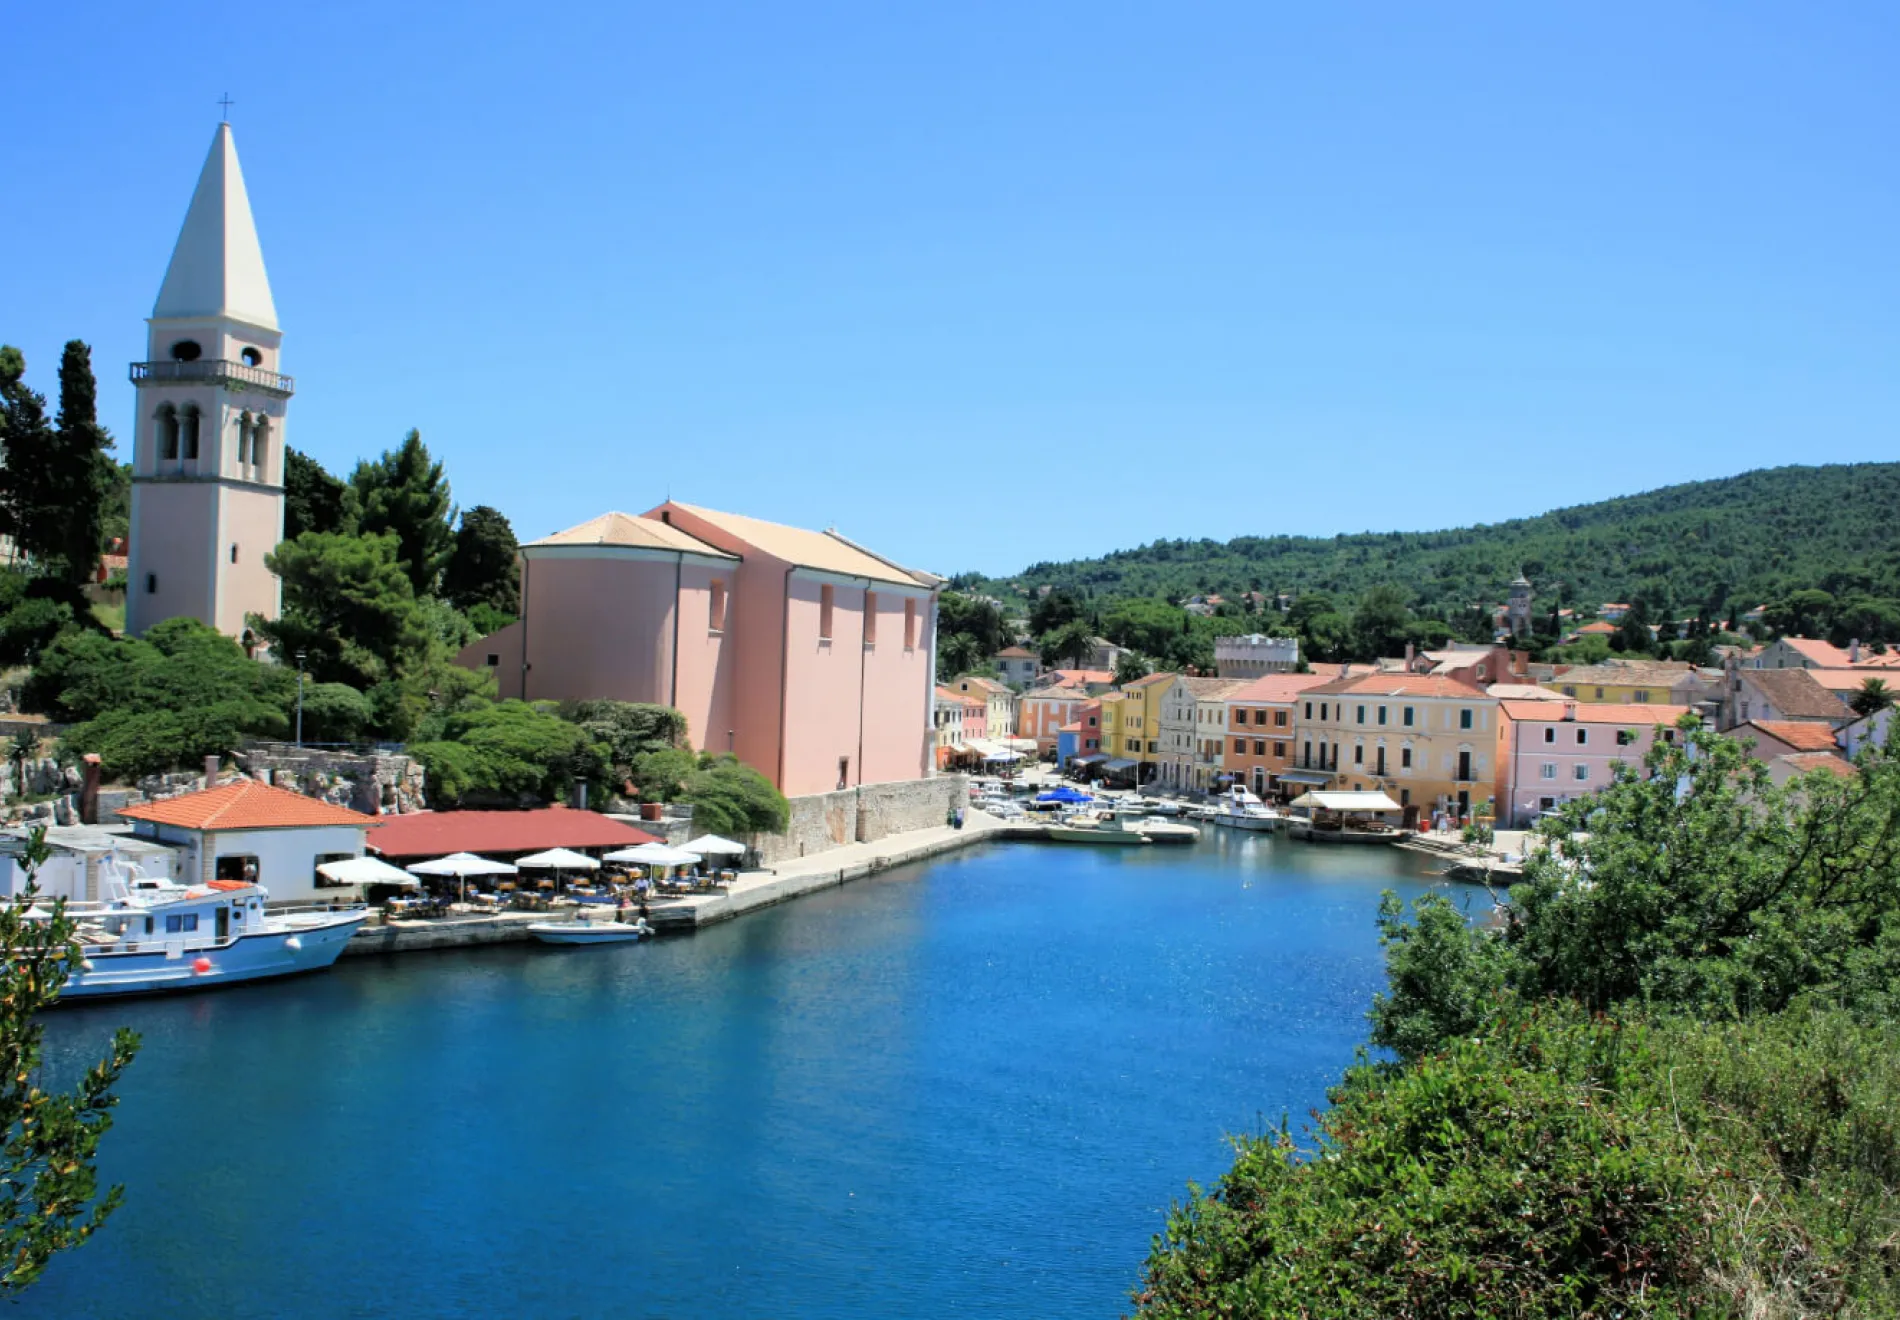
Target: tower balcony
{"type": "Point", "coordinates": [234, 375]}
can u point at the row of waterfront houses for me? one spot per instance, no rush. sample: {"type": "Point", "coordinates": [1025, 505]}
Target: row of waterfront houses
{"type": "Point", "coordinates": [1463, 731]}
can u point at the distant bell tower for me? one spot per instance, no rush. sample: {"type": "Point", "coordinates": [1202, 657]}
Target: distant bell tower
{"type": "Point", "coordinates": [208, 442]}
{"type": "Point", "coordinates": [1517, 609]}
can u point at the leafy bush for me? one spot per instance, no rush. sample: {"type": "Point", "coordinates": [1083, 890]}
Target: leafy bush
{"type": "Point", "coordinates": [1558, 1165]}
{"type": "Point", "coordinates": [730, 798]}
{"type": "Point", "coordinates": [661, 775]}
{"type": "Point", "coordinates": [509, 752]}
{"type": "Point", "coordinates": [181, 692]}
{"type": "Point", "coordinates": [629, 728]}
{"type": "Point", "coordinates": [336, 713]}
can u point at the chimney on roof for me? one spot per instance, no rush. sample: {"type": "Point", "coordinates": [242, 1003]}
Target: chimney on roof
{"type": "Point", "coordinates": [1570, 710]}
{"type": "Point", "coordinates": [1853, 652]}
{"type": "Point", "coordinates": [212, 761]}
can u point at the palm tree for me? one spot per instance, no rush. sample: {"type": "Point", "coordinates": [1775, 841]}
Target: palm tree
{"type": "Point", "coordinates": [1874, 695]}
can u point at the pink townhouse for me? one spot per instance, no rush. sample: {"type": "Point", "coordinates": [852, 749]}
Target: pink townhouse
{"type": "Point", "coordinates": [1550, 753]}
{"type": "Point", "coordinates": [806, 655]}
{"type": "Point", "coordinates": [1042, 713]}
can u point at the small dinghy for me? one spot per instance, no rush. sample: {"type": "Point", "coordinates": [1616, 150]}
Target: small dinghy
{"type": "Point", "coordinates": [585, 931]}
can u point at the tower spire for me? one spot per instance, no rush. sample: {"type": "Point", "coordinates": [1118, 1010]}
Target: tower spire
{"type": "Point", "coordinates": [217, 266]}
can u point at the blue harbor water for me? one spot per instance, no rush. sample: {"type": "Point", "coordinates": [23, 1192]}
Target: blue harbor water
{"type": "Point", "coordinates": [971, 1087]}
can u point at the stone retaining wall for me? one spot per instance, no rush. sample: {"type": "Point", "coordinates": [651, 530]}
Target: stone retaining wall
{"type": "Point", "coordinates": [823, 821]}
{"type": "Point", "coordinates": [374, 783]}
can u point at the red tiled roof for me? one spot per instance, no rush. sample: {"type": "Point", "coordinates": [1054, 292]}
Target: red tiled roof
{"type": "Point", "coordinates": [1598, 629]}
{"type": "Point", "coordinates": [1825, 654]}
{"type": "Point", "coordinates": [1806, 761]}
{"type": "Point", "coordinates": [438, 833]}
{"type": "Point", "coordinates": [1802, 735]}
{"type": "Point", "coordinates": [1018, 653]}
{"type": "Point", "coordinates": [1277, 687]}
{"type": "Point", "coordinates": [244, 804]}
{"type": "Point", "coordinates": [1399, 685]}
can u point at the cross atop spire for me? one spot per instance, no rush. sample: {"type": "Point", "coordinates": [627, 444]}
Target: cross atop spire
{"type": "Point", "coordinates": [226, 102]}
{"type": "Point", "coordinates": [217, 267]}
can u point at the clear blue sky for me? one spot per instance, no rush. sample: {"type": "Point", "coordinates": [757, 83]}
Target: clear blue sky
{"type": "Point", "coordinates": [984, 284]}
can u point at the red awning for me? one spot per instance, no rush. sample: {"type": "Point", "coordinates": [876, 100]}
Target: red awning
{"type": "Point", "coordinates": [499, 833]}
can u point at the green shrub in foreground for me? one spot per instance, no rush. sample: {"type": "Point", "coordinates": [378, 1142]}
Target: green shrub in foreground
{"type": "Point", "coordinates": [1555, 1165]}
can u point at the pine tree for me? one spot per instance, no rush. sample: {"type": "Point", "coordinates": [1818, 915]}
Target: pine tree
{"type": "Point", "coordinates": [482, 569]}
{"type": "Point", "coordinates": [26, 437]}
{"type": "Point", "coordinates": [404, 492]}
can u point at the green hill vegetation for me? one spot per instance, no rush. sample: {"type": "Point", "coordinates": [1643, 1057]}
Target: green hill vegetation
{"type": "Point", "coordinates": [1709, 547]}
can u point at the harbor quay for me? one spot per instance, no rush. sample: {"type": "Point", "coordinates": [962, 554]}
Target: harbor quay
{"type": "Point", "coordinates": [748, 892]}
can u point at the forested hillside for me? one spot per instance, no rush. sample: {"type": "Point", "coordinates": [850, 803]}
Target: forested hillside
{"type": "Point", "coordinates": [1705, 546]}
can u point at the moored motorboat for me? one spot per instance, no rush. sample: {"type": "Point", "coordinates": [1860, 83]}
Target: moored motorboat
{"type": "Point", "coordinates": [1250, 817]}
{"type": "Point", "coordinates": [586, 931]}
{"type": "Point", "coordinates": [151, 936]}
{"type": "Point", "coordinates": [1157, 830]}
{"type": "Point", "coordinates": [1093, 829]}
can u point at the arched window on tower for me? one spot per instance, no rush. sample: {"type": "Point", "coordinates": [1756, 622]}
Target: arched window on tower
{"type": "Point", "coordinates": [188, 429]}
{"type": "Point", "coordinates": [260, 440]}
{"type": "Point", "coordinates": [167, 431]}
{"type": "Point", "coordinates": [244, 438]}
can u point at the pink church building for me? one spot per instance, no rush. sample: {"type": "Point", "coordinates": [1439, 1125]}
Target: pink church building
{"type": "Point", "coordinates": [808, 656]}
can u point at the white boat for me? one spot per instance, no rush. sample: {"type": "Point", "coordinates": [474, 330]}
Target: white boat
{"type": "Point", "coordinates": [1258, 818]}
{"type": "Point", "coordinates": [585, 931]}
{"type": "Point", "coordinates": [151, 936]}
{"type": "Point", "coordinates": [1239, 809]}
{"type": "Point", "coordinates": [1093, 829]}
{"type": "Point", "coordinates": [1157, 830]}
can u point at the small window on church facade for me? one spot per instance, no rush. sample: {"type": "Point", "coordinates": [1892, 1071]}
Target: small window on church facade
{"type": "Point", "coordinates": [252, 358]}
{"type": "Point", "coordinates": [260, 437]}
{"type": "Point", "coordinates": [167, 431]}
{"type": "Point", "coordinates": [186, 350]}
{"type": "Point", "coordinates": [716, 606]}
{"type": "Point", "coordinates": [870, 618]}
{"type": "Point", "coordinates": [188, 428]}
{"type": "Point", "coordinates": [910, 625]}
{"type": "Point", "coordinates": [234, 552]}
{"type": "Point", "coordinates": [151, 584]}
{"type": "Point", "coordinates": [824, 613]}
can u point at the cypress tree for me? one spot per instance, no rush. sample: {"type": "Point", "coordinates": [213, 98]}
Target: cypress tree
{"type": "Point", "coordinates": [80, 477]}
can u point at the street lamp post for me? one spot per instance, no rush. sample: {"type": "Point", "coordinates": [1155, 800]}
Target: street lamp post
{"type": "Point", "coordinates": [300, 659]}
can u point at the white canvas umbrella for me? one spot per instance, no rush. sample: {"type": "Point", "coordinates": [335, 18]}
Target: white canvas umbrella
{"type": "Point", "coordinates": [366, 871]}
{"type": "Point", "coordinates": [712, 844]}
{"type": "Point", "coordinates": [557, 859]}
{"type": "Point", "coordinates": [655, 854]}
{"type": "Point", "coordinates": [462, 865]}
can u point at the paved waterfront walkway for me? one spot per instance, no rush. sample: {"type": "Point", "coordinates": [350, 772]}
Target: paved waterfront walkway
{"type": "Point", "coordinates": [752, 890]}
{"type": "Point", "coordinates": [802, 875]}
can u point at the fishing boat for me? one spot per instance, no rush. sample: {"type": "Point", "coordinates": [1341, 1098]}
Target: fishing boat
{"type": "Point", "coordinates": [585, 931]}
{"type": "Point", "coordinates": [1093, 829]}
{"type": "Point", "coordinates": [150, 936]}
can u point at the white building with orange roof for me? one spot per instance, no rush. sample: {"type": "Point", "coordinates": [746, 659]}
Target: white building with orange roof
{"type": "Point", "coordinates": [251, 831]}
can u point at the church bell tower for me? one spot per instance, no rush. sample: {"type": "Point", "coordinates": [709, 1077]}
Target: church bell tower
{"type": "Point", "coordinates": [208, 446]}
